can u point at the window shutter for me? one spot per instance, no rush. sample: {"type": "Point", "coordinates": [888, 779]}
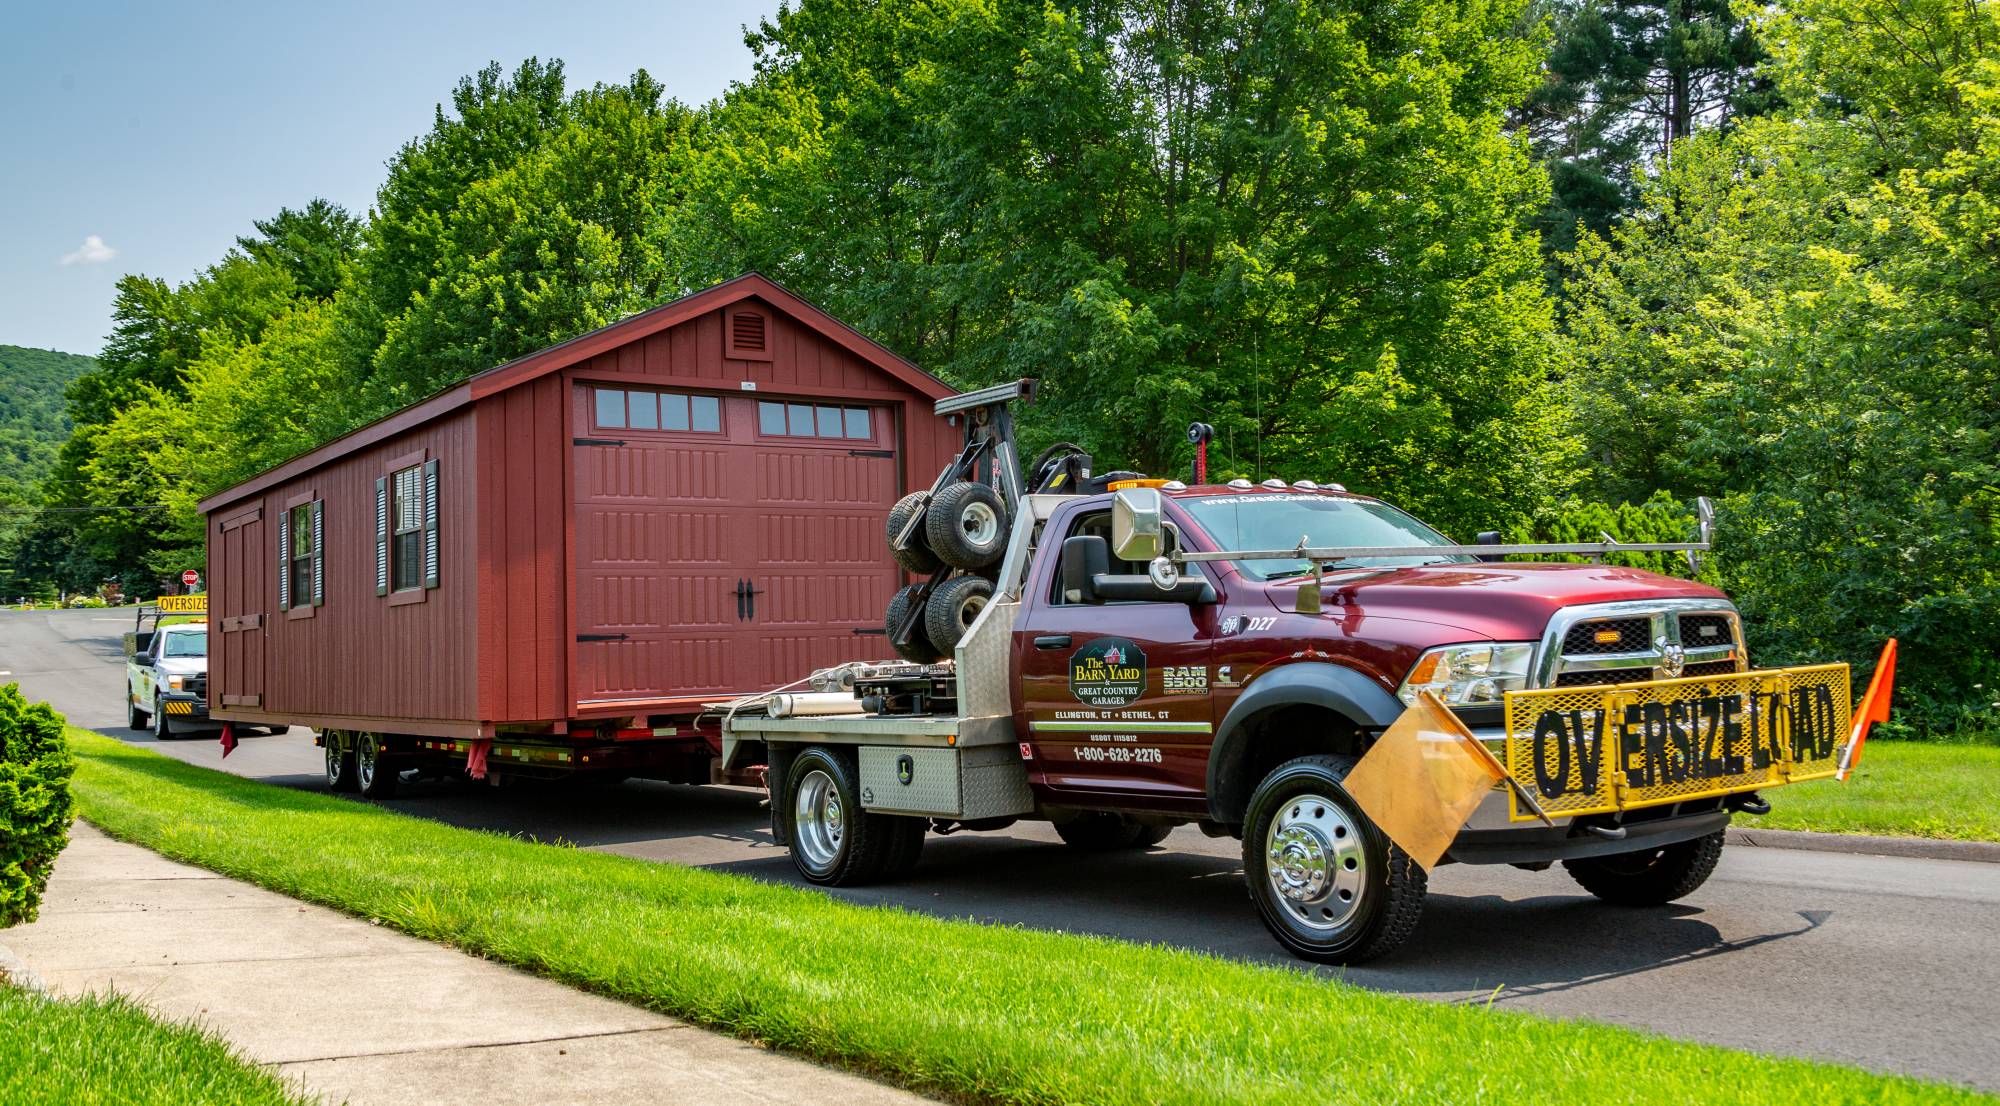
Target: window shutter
{"type": "Point", "coordinates": [431, 523]}
{"type": "Point", "coordinates": [319, 552]}
{"type": "Point", "coordinates": [381, 535]}
{"type": "Point", "coordinates": [285, 561]}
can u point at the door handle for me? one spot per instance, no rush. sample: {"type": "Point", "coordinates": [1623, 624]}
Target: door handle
{"type": "Point", "coordinates": [1052, 641]}
{"type": "Point", "coordinates": [750, 593]}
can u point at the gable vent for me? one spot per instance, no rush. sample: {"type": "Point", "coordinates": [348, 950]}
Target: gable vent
{"type": "Point", "coordinates": [746, 331]}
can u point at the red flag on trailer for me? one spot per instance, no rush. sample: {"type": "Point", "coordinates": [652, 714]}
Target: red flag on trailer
{"type": "Point", "coordinates": [228, 739]}
{"type": "Point", "coordinates": [475, 758]}
{"type": "Point", "coordinates": [1873, 708]}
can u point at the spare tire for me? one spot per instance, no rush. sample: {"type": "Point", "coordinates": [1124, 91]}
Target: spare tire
{"type": "Point", "coordinates": [967, 525]}
{"type": "Point", "coordinates": [918, 558]}
{"type": "Point", "coordinates": [949, 612]}
{"type": "Point", "coordinates": [919, 648]}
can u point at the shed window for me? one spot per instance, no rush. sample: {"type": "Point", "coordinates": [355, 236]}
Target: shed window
{"type": "Point", "coordinates": [406, 536]}
{"type": "Point", "coordinates": [805, 420]}
{"type": "Point", "coordinates": [302, 549]}
{"type": "Point", "coordinates": [644, 409]}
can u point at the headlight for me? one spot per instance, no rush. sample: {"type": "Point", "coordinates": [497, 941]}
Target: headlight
{"type": "Point", "coordinates": [1466, 674]}
{"type": "Point", "coordinates": [175, 683]}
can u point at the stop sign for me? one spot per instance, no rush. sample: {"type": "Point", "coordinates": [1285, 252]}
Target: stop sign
{"type": "Point", "coordinates": [190, 578]}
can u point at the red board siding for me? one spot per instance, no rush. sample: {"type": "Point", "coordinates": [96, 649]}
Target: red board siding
{"type": "Point", "coordinates": [358, 656]}
{"type": "Point", "coordinates": [523, 516]}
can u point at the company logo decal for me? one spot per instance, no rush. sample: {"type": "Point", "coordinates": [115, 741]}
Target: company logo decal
{"type": "Point", "coordinates": [1108, 672]}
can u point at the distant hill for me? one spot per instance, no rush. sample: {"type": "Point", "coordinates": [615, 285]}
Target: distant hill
{"type": "Point", "coordinates": [32, 423]}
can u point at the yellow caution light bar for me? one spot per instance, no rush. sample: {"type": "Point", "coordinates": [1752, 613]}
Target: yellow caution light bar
{"type": "Point", "coordinates": [1121, 485]}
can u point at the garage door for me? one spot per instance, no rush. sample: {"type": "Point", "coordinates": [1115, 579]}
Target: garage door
{"type": "Point", "coordinates": [726, 542]}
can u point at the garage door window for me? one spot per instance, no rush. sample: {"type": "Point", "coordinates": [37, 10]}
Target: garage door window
{"type": "Point", "coordinates": [644, 409]}
{"type": "Point", "coordinates": [809, 420]}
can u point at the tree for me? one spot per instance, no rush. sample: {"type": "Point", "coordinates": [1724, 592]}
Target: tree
{"type": "Point", "coordinates": [1802, 316]}
{"type": "Point", "coordinates": [312, 245]}
{"type": "Point", "coordinates": [1301, 223]}
{"type": "Point", "coordinates": [1624, 81]}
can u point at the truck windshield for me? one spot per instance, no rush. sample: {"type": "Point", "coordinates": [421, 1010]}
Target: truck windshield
{"type": "Point", "coordinates": [185, 645]}
{"type": "Point", "coordinates": [1280, 519]}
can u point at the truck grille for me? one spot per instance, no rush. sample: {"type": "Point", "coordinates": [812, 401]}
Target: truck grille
{"type": "Point", "coordinates": [1615, 643]}
{"type": "Point", "coordinates": [199, 686]}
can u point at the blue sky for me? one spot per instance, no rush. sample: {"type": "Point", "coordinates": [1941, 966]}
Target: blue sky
{"type": "Point", "coordinates": [144, 137]}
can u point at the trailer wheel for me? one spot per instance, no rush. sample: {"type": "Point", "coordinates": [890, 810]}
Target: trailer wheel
{"type": "Point", "coordinates": [950, 610]}
{"type": "Point", "coordinates": [833, 841]}
{"type": "Point", "coordinates": [375, 773]}
{"type": "Point", "coordinates": [967, 525]}
{"type": "Point", "coordinates": [1327, 883]}
{"type": "Point", "coordinates": [918, 649]}
{"type": "Point", "coordinates": [134, 717]}
{"type": "Point", "coordinates": [1649, 877]}
{"type": "Point", "coordinates": [918, 558]}
{"type": "Point", "coordinates": [340, 767]}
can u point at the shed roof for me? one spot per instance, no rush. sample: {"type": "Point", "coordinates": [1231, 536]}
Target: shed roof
{"type": "Point", "coordinates": [581, 348]}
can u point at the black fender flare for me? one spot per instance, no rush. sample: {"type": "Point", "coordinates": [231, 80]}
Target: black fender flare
{"type": "Point", "coordinates": [1346, 691]}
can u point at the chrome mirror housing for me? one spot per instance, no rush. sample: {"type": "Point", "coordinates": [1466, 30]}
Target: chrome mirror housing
{"type": "Point", "coordinates": [1137, 525]}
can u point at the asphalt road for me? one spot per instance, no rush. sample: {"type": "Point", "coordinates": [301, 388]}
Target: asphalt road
{"type": "Point", "coordinates": [1888, 963]}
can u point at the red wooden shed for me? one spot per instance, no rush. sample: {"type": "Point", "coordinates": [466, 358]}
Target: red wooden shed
{"type": "Point", "coordinates": [682, 505]}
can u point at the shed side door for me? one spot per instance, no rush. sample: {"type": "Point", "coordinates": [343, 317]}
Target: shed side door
{"type": "Point", "coordinates": [237, 598]}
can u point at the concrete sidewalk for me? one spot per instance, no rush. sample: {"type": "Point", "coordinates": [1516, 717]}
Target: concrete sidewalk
{"type": "Point", "coordinates": [359, 1013]}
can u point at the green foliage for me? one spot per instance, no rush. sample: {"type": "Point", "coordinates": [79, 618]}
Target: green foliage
{"type": "Point", "coordinates": [1300, 223]}
{"type": "Point", "coordinates": [1625, 79]}
{"type": "Point", "coordinates": [35, 805]}
{"type": "Point", "coordinates": [1658, 519]}
{"type": "Point", "coordinates": [1802, 320]}
{"type": "Point", "coordinates": [33, 427]}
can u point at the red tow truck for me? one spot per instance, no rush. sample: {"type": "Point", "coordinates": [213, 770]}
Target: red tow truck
{"type": "Point", "coordinates": [1142, 654]}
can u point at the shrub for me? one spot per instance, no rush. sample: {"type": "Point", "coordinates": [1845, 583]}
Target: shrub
{"type": "Point", "coordinates": [1659, 519]}
{"type": "Point", "coordinates": [35, 804]}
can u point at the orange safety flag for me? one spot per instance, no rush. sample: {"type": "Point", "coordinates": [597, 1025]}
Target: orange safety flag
{"type": "Point", "coordinates": [1873, 708]}
{"type": "Point", "coordinates": [1422, 779]}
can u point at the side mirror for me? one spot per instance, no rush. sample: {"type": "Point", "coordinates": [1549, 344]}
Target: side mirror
{"type": "Point", "coordinates": [1137, 530]}
{"type": "Point", "coordinates": [1704, 514]}
{"type": "Point", "coordinates": [1488, 537]}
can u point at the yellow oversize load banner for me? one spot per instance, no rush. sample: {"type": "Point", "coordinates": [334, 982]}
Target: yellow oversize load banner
{"type": "Point", "coordinates": [1588, 750]}
{"type": "Point", "coordinates": [182, 604]}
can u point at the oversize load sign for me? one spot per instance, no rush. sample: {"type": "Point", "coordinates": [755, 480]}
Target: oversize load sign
{"type": "Point", "coordinates": [1108, 672]}
{"type": "Point", "coordinates": [182, 604]}
{"type": "Point", "coordinates": [1587, 750]}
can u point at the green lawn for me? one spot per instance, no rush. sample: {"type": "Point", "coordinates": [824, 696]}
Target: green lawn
{"type": "Point", "coordinates": [1903, 789]}
{"type": "Point", "coordinates": [976, 1013]}
{"type": "Point", "coordinates": [80, 1052]}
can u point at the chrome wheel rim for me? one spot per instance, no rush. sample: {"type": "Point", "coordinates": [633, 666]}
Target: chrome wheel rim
{"type": "Point", "coordinates": [1315, 863]}
{"type": "Point", "coordinates": [981, 524]}
{"type": "Point", "coordinates": [332, 761]}
{"type": "Point", "coordinates": [819, 825]}
{"type": "Point", "coordinates": [365, 764]}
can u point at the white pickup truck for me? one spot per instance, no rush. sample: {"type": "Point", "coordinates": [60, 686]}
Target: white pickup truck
{"type": "Point", "coordinates": [166, 679]}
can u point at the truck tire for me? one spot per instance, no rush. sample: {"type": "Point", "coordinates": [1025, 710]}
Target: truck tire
{"type": "Point", "coordinates": [834, 842]}
{"type": "Point", "coordinates": [918, 649]}
{"type": "Point", "coordinates": [375, 772]}
{"type": "Point", "coordinates": [918, 558]}
{"type": "Point", "coordinates": [1100, 831]}
{"type": "Point", "coordinates": [162, 729]}
{"type": "Point", "coordinates": [949, 612]}
{"type": "Point", "coordinates": [134, 717]}
{"type": "Point", "coordinates": [1327, 883]}
{"type": "Point", "coordinates": [967, 525]}
{"type": "Point", "coordinates": [340, 769]}
{"type": "Point", "coordinates": [1649, 877]}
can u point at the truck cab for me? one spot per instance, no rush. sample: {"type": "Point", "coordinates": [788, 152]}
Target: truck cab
{"type": "Point", "coordinates": [166, 680]}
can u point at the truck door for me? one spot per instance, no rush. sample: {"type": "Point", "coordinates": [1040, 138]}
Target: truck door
{"type": "Point", "coordinates": [1115, 696]}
